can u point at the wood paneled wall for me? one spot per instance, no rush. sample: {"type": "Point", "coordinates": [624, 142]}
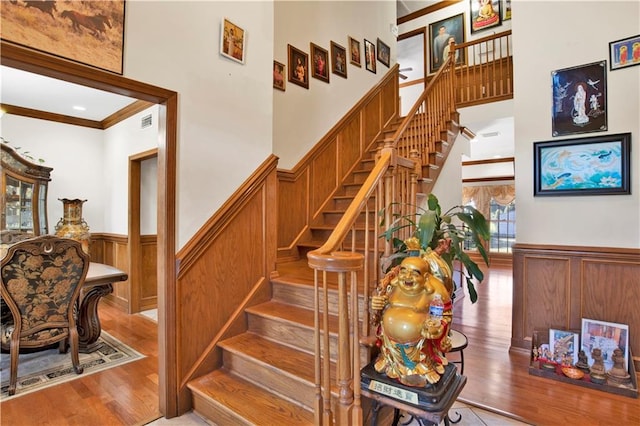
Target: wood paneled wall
{"type": "Point", "coordinates": [223, 269]}
{"type": "Point", "coordinates": [112, 249]}
{"type": "Point", "coordinates": [305, 190]}
{"type": "Point", "coordinates": [557, 286]}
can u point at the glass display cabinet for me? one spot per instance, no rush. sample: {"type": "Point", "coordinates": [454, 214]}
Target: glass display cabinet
{"type": "Point", "coordinates": [24, 195]}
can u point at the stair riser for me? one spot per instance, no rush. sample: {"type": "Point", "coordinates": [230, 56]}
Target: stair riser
{"type": "Point", "coordinates": [343, 203]}
{"type": "Point", "coordinates": [323, 235]}
{"type": "Point", "coordinates": [296, 336]}
{"type": "Point", "coordinates": [303, 296]}
{"type": "Point", "coordinates": [211, 410]}
{"type": "Point", "coordinates": [296, 390]}
{"type": "Point", "coordinates": [333, 218]}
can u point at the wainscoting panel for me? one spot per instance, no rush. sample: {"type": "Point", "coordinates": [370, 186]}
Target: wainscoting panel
{"type": "Point", "coordinates": [111, 250]}
{"type": "Point", "coordinates": [557, 286]}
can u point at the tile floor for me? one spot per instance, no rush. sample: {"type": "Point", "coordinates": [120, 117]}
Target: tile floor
{"type": "Point", "coordinates": [470, 416]}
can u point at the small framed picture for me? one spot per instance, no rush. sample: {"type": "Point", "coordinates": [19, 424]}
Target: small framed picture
{"type": "Point", "coordinates": [319, 63]}
{"type": "Point", "coordinates": [338, 60]}
{"type": "Point", "coordinates": [369, 56]}
{"type": "Point", "coordinates": [606, 336]}
{"type": "Point", "coordinates": [624, 53]}
{"type": "Point", "coordinates": [278, 76]}
{"type": "Point", "coordinates": [579, 99]}
{"type": "Point", "coordinates": [384, 53]}
{"type": "Point", "coordinates": [506, 10]}
{"type": "Point", "coordinates": [563, 346]}
{"type": "Point", "coordinates": [441, 33]}
{"type": "Point", "coordinates": [232, 41]}
{"type": "Point", "coordinates": [354, 48]}
{"type": "Point", "coordinates": [597, 165]}
{"type": "Point", "coordinates": [485, 14]}
{"type": "Point", "coordinates": [298, 66]}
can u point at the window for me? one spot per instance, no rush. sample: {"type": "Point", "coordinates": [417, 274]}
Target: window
{"type": "Point", "coordinates": [502, 227]}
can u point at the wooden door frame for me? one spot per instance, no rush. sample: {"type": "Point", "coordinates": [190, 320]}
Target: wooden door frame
{"type": "Point", "coordinates": [43, 64]}
{"type": "Point", "coordinates": [134, 247]}
{"type": "Point", "coordinates": [414, 33]}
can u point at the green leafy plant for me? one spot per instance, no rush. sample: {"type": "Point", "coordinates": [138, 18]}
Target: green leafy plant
{"type": "Point", "coordinates": [438, 231]}
{"type": "Point", "coordinates": [24, 154]}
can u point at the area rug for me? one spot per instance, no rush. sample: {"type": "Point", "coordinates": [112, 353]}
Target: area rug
{"type": "Point", "coordinates": [47, 368]}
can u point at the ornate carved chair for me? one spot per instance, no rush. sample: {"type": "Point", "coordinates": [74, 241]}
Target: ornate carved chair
{"type": "Point", "coordinates": [41, 281]}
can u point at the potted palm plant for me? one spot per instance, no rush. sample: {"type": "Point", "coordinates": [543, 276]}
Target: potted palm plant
{"type": "Point", "coordinates": [441, 236]}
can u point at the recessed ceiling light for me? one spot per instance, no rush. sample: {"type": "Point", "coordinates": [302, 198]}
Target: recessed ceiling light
{"type": "Point", "coordinates": [79, 108]}
{"type": "Point", "coordinates": [497, 156]}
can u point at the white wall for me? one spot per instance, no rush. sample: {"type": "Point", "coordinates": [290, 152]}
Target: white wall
{"type": "Point", "coordinates": [605, 221]}
{"type": "Point", "coordinates": [225, 108]}
{"type": "Point", "coordinates": [74, 153]}
{"type": "Point", "coordinates": [92, 165]}
{"type": "Point", "coordinates": [301, 117]}
{"type": "Point", "coordinates": [119, 142]}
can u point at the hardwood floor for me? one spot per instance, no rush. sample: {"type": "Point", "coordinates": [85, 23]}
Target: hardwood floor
{"type": "Point", "coordinates": [500, 379]}
{"type": "Point", "coordinates": [126, 395]}
{"type": "Point", "coordinates": [496, 378]}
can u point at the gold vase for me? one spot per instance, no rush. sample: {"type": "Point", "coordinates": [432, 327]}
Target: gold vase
{"type": "Point", "coordinates": [72, 225]}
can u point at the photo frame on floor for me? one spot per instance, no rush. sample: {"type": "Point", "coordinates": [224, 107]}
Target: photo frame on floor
{"type": "Point", "coordinates": [606, 336]}
{"type": "Point", "coordinates": [564, 346]}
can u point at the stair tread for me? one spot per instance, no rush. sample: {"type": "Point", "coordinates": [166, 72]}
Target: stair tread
{"type": "Point", "coordinates": [284, 358]}
{"type": "Point", "coordinates": [254, 404]}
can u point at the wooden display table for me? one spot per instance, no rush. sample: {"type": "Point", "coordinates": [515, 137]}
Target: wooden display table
{"type": "Point", "coordinates": [429, 405]}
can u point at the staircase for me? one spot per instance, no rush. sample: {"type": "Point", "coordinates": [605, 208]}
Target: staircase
{"type": "Point", "coordinates": [268, 375]}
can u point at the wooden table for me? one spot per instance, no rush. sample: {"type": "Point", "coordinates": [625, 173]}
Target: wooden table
{"type": "Point", "coordinates": [98, 283]}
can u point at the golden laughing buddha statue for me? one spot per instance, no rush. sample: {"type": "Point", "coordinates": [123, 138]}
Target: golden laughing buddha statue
{"type": "Point", "coordinates": [412, 341]}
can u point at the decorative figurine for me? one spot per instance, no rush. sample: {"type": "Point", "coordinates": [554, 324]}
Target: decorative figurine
{"type": "Point", "coordinates": [412, 341]}
{"type": "Point", "coordinates": [597, 371]}
{"type": "Point", "coordinates": [618, 375]}
{"type": "Point", "coordinates": [583, 363]}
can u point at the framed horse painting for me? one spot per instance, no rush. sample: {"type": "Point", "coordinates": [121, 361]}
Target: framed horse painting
{"type": "Point", "coordinates": [91, 33]}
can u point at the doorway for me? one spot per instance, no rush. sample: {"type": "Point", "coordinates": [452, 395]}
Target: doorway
{"type": "Point", "coordinates": [35, 62]}
{"type": "Point", "coordinates": [411, 57]}
{"type": "Point", "coordinates": [142, 247]}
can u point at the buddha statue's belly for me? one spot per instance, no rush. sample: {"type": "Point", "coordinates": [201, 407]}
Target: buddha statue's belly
{"type": "Point", "coordinates": [402, 324]}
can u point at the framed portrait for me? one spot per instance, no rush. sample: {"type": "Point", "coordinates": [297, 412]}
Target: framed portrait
{"type": "Point", "coordinates": [232, 41]}
{"type": "Point", "coordinates": [624, 53]}
{"type": "Point", "coordinates": [354, 48]}
{"type": "Point", "coordinates": [440, 33]}
{"type": "Point", "coordinates": [338, 60]}
{"type": "Point", "coordinates": [369, 56]}
{"type": "Point", "coordinates": [319, 63]}
{"type": "Point", "coordinates": [278, 75]}
{"type": "Point", "coordinates": [298, 66]}
{"type": "Point", "coordinates": [506, 10]}
{"type": "Point", "coordinates": [579, 99]}
{"type": "Point", "coordinates": [564, 346]}
{"type": "Point", "coordinates": [589, 166]}
{"type": "Point", "coordinates": [485, 14]}
{"type": "Point", "coordinates": [384, 53]}
{"type": "Point", "coordinates": [606, 336]}
{"type": "Point", "coordinates": [90, 33]}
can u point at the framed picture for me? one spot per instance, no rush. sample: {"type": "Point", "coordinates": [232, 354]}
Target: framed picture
{"type": "Point", "coordinates": [232, 41]}
{"type": "Point", "coordinates": [298, 66]}
{"type": "Point", "coordinates": [624, 53]}
{"type": "Point", "coordinates": [278, 76]}
{"type": "Point", "coordinates": [369, 56]}
{"type": "Point", "coordinates": [563, 346]}
{"type": "Point", "coordinates": [354, 48]}
{"type": "Point", "coordinates": [606, 336]}
{"type": "Point", "coordinates": [506, 10]}
{"type": "Point", "coordinates": [319, 63]}
{"type": "Point", "coordinates": [90, 33]}
{"type": "Point", "coordinates": [588, 166]}
{"type": "Point", "coordinates": [440, 33]}
{"type": "Point", "coordinates": [579, 99]}
{"type": "Point", "coordinates": [338, 59]}
{"type": "Point", "coordinates": [485, 14]}
{"type": "Point", "coordinates": [384, 53]}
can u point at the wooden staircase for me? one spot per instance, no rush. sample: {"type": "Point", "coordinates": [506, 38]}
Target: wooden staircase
{"type": "Point", "coordinates": [268, 376]}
